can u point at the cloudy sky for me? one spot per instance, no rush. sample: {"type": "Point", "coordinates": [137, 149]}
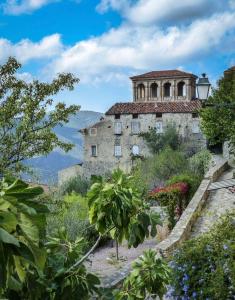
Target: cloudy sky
{"type": "Point", "coordinates": [104, 42]}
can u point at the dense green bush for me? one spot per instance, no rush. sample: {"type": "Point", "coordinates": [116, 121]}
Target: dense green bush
{"type": "Point", "coordinates": [199, 162]}
{"type": "Point", "coordinates": [76, 184]}
{"type": "Point", "coordinates": [168, 163]}
{"type": "Point", "coordinates": [158, 141]}
{"type": "Point", "coordinates": [71, 212]}
{"type": "Point", "coordinates": [155, 170]}
{"type": "Point", "coordinates": [204, 268]}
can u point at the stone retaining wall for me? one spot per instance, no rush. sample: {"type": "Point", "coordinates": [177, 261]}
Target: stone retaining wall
{"type": "Point", "coordinates": [182, 229]}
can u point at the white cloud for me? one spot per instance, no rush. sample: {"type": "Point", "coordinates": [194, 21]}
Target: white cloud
{"type": "Point", "coordinates": [144, 48]}
{"type": "Point", "coordinates": [119, 5]}
{"type": "Point", "coordinates": [17, 7]}
{"type": "Point", "coordinates": [145, 12]}
{"type": "Point", "coordinates": [26, 50]}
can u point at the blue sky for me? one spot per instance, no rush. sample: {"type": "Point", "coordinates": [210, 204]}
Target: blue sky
{"type": "Point", "coordinates": [104, 42]}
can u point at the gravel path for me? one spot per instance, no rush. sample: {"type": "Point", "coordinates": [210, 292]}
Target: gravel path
{"type": "Point", "coordinates": [103, 265]}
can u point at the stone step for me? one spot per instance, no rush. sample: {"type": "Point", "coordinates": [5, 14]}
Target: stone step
{"type": "Point", "coordinates": [221, 184]}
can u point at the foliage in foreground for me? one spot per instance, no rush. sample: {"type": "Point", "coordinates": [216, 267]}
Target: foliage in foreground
{"type": "Point", "coordinates": [149, 278]}
{"type": "Point", "coordinates": [60, 281]}
{"type": "Point", "coordinates": [204, 268]}
{"type": "Point", "coordinates": [34, 266]}
{"type": "Point", "coordinates": [26, 125]}
{"type": "Point", "coordinates": [115, 205]}
{"type": "Point", "coordinates": [218, 117]}
{"type": "Point", "coordinates": [21, 219]}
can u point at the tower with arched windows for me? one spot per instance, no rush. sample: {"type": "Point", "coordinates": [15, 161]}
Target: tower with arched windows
{"type": "Point", "coordinates": [158, 86]}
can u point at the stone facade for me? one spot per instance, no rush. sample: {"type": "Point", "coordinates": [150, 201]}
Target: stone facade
{"type": "Point", "coordinates": [114, 141]}
{"type": "Point", "coordinates": [108, 142]}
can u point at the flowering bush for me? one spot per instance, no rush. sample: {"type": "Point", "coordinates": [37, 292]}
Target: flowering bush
{"type": "Point", "coordinates": [173, 197]}
{"type": "Point", "coordinates": [204, 267]}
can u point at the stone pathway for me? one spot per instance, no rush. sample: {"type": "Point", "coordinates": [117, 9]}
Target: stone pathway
{"type": "Point", "coordinates": [218, 203]}
{"type": "Point", "coordinates": [103, 264]}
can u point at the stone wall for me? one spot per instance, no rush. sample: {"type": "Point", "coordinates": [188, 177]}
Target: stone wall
{"type": "Point", "coordinates": [66, 174]}
{"type": "Point", "coordinates": [105, 139]}
{"type": "Point", "coordinates": [182, 229]}
{"type": "Point", "coordinates": [227, 152]}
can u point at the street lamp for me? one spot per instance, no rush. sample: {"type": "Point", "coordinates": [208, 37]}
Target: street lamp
{"type": "Point", "coordinates": [203, 87]}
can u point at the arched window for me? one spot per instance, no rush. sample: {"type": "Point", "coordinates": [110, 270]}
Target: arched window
{"type": "Point", "coordinates": [167, 89]}
{"type": "Point", "coordinates": [141, 91]}
{"type": "Point", "coordinates": [153, 89]}
{"type": "Point", "coordinates": [181, 89]}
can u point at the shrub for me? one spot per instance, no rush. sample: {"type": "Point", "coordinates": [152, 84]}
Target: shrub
{"type": "Point", "coordinates": [192, 180]}
{"type": "Point", "coordinates": [158, 141]}
{"type": "Point", "coordinates": [149, 278]}
{"type": "Point", "coordinates": [169, 163]}
{"type": "Point", "coordinates": [76, 184]}
{"type": "Point", "coordinates": [173, 197]}
{"type": "Point", "coordinates": [199, 162]}
{"type": "Point", "coordinates": [204, 267]}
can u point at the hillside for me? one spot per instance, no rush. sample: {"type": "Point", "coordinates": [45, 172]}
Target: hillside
{"type": "Point", "coordinates": [45, 168]}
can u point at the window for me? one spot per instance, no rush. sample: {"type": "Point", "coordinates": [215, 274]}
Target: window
{"type": "Point", "coordinates": [195, 126]}
{"type": "Point", "coordinates": [167, 89]}
{"type": "Point", "coordinates": [153, 89]}
{"type": "Point", "coordinates": [117, 116]}
{"type": "Point", "coordinates": [141, 90]}
{"type": "Point", "coordinates": [135, 150]}
{"type": "Point", "coordinates": [117, 150]}
{"type": "Point", "coordinates": [93, 150]}
{"type": "Point", "coordinates": [93, 131]}
{"type": "Point", "coordinates": [135, 127]}
{"type": "Point", "coordinates": [118, 128]}
{"type": "Point", "coordinates": [159, 127]}
{"type": "Point", "coordinates": [195, 115]}
{"type": "Point", "coordinates": [135, 116]}
{"type": "Point", "coordinates": [158, 115]}
{"type": "Point", "coordinates": [181, 89]}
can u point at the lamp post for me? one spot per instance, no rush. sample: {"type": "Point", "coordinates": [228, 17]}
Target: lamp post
{"type": "Point", "coordinates": [203, 87]}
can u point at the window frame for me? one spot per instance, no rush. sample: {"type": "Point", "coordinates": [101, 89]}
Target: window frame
{"type": "Point", "coordinates": [133, 124]}
{"type": "Point", "coordinates": [116, 131]}
{"type": "Point", "coordinates": [96, 152]}
{"type": "Point", "coordinates": [117, 153]}
{"type": "Point", "coordinates": [161, 127]}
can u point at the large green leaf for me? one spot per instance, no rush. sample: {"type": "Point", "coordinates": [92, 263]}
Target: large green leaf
{"type": "Point", "coordinates": [29, 228]}
{"type": "Point", "coordinates": [7, 238]}
{"type": "Point", "coordinates": [8, 221]}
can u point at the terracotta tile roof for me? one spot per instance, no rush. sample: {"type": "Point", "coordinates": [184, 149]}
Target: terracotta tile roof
{"type": "Point", "coordinates": [154, 107]}
{"type": "Point", "coordinates": [230, 69]}
{"type": "Point", "coordinates": [166, 73]}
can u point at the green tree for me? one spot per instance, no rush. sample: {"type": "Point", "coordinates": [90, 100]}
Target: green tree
{"type": "Point", "coordinates": [22, 219]}
{"type": "Point", "coordinates": [26, 124]}
{"type": "Point", "coordinates": [149, 278]}
{"type": "Point", "coordinates": [218, 116]}
{"type": "Point", "coordinates": [158, 141]}
{"type": "Point", "coordinates": [116, 206]}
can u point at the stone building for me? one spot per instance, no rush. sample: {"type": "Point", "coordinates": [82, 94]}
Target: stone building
{"type": "Point", "coordinates": [159, 98]}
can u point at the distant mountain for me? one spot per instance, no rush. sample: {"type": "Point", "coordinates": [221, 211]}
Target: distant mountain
{"type": "Point", "coordinates": [47, 167]}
